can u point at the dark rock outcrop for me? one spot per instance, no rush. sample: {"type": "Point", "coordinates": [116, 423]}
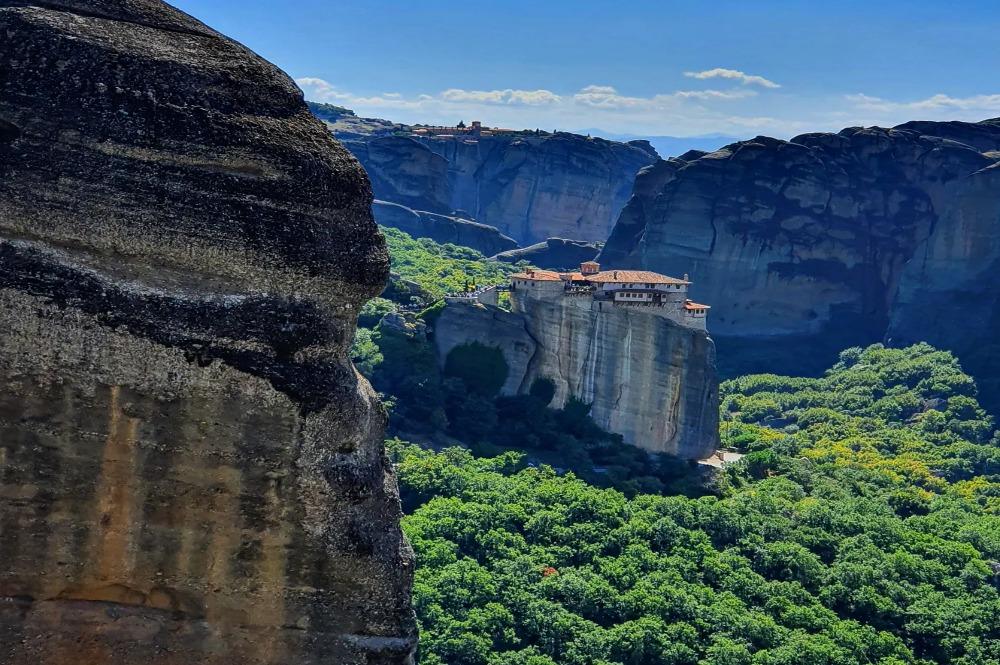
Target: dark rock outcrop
{"type": "Point", "coordinates": [191, 471]}
{"type": "Point", "coordinates": [529, 187]}
{"type": "Point", "coordinates": [807, 246]}
{"type": "Point", "coordinates": [442, 228]}
{"type": "Point", "coordinates": [554, 254]}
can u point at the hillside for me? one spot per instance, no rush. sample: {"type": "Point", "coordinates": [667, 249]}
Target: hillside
{"type": "Point", "coordinates": [862, 526]}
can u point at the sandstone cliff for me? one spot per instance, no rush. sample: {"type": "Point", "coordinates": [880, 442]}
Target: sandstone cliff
{"type": "Point", "coordinates": [648, 379]}
{"type": "Point", "coordinates": [191, 471]}
{"type": "Point", "coordinates": [529, 187]}
{"type": "Point", "coordinates": [807, 246]}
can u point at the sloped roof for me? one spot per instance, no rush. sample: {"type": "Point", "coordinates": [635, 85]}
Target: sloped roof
{"type": "Point", "coordinates": [538, 276]}
{"type": "Point", "coordinates": [688, 304]}
{"type": "Point", "coordinates": [634, 277]}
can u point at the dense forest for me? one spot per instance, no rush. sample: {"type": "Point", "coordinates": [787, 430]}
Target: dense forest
{"type": "Point", "coordinates": [862, 526]}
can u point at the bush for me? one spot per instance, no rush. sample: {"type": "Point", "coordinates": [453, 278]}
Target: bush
{"type": "Point", "coordinates": [373, 311]}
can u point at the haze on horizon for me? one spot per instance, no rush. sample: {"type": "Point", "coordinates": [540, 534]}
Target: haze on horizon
{"type": "Point", "coordinates": [683, 69]}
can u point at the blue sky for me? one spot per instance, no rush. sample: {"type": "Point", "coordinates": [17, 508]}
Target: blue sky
{"type": "Point", "coordinates": [688, 68]}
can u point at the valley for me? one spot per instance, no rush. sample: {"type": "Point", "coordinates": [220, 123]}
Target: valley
{"type": "Point", "coordinates": [284, 382]}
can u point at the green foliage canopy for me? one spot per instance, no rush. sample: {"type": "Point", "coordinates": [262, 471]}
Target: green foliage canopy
{"type": "Point", "coordinates": [857, 529]}
{"type": "Point", "coordinates": [441, 269]}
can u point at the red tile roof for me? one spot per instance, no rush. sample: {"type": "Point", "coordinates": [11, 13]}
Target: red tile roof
{"type": "Point", "coordinates": [538, 276]}
{"type": "Point", "coordinates": [634, 277]}
{"type": "Point", "coordinates": [688, 304]}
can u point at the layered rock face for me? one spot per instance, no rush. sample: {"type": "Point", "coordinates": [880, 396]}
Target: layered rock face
{"type": "Point", "coordinates": [648, 379]}
{"type": "Point", "coordinates": [808, 246]}
{"type": "Point", "coordinates": [191, 471]}
{"type": "Point", "coordinates": [949, 292]}
{"type": "Point", "coordinates": [554, 254]}
{"type": "Point", "coordinates": [529, 187]}
{"type": "Point", "coordinates": [442, 228]}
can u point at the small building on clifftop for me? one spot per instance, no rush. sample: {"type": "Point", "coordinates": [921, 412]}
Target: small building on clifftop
{"type": "Point", "coordinates": [649, 292]}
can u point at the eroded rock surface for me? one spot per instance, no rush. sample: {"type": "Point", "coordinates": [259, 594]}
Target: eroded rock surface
{"type": "Point", "coordinates": [805, 247]}
{"type": "Point", "coordinates": [529, 187]}
{"type": "Point", "coordinates": [191, 471]}
{"type": "Point", "coordinates": [648, 379]}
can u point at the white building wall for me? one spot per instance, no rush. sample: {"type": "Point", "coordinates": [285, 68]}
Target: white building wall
{"type": "Point", "coordinates": [662, 288]}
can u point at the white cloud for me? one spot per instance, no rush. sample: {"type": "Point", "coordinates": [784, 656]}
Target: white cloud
{"type": "Point", "coordinates": [938, 102]}
{"type": "Point", "coordinates": [320, 90]}
{"type": "Point", "coordinates": [605, 96]}
{"type": "Point", "coordinates": [734, 110]}
{"type": "Point", "coordinates": [735, 74]}
{"type": "Point", "coordinates": [714, 94]}
{"type": "Point", "coordinates": [317, 89]}
{"type": "Point", "coordinates": [508, 96]}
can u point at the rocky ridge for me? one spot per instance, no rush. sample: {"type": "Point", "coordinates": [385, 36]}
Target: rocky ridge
{"type": "Point", "coordinates": [191, 470]}
{"type": "Point", "coordinates": [529, 186]}
{"type": "Point", "coordinates": [442, 228]}
{"type": "Point", "coordinates": [807, 246]}
{"type": "Point", "coordinates": [553, 254]}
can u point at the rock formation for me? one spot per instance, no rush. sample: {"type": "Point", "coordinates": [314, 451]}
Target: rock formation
{"type": "Point", "coordinates": [529, 187]}
{"type": "Point", "coordinates": [442, 228]}
{"type": "Point", "coordinates": [553, 254]}
{"type": "Point", "coordinates": [811, 245]}
{"type": "Point", "coordinates": [191, 471]}
{"type": "Point", "coordinates": [647, 378]}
